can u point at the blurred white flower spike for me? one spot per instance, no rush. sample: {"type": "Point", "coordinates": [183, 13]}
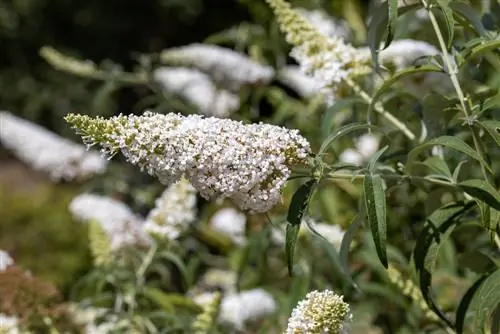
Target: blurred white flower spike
{"type": "Point", "coordinates": [326, 24]}
{"type": "Point", "coordinates": [47, 152]}
{"type": "Point", "coordinates": [9, 325]}
{"type": "Point", "coordinates": [5, 260]}
{"type": "Point", "coordinates": [404, 53]}
{"type": "Point", "coordinates": [320, 312]}
{"type": "Point", "coordinates": [366, 146]}
{"type": "Point", "coordinates": [231, 223]}
{"type": "Point", "coordinates": [221, 158]}
{"type": "Point", "coordinates": [122, 226]}
{"type": "Point", "coordinates": [174, 211]}
{"type": "Point", "coordinates": [227, 67]}
{"type": "Point", "coordinates": [198, 89]}
{"type": "Point", "coordinates": [303, 84]}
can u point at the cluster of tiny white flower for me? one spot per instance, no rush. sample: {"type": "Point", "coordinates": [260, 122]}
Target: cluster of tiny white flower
{"type": "Point", "coordinates": [326, 24]}
{"type": "Point", "coordinates": [175, 209]}
{"type": "Point", "coordinates": [48, 152]}
{"type": "Point", "coordinates": [320, 312]}
{"type": "Point", "coordinates": [366, 145]}
{"type": "Point", "coordinates": [8, 325]}
{"type": "Point", "coordinates": [403, 53]}
{"type": "Point", "coordinates": [197, 88]}
{"type": "Point", "coordinates": [116, 218]}
{"type": "Point", "coordinates": [303, 84]}
{"type": "Point", "coordinates": [231, 223]}
{"type": "Point", "coordinates": [230, 68]}
{"type": "Point", "coordinates": [5, 260]}
{"type": "Point", "coordinates": [220, 157]}
{"type": "Point", "coordinates": [238, 308]}
{"type": "Point", "coordinates": [328, 60]}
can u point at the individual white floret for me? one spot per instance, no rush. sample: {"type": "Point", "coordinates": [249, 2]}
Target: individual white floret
{"type": "Point", "coordinates": [220, 157]}
{"type": "Point", "coordinates": [123, 227]}
{"type": "Point", "coordinates": [197, 88]}
{"type": "Point", "coordinates": [9, 325]}
{"type": "Point", "coordinates": [326, 24]}
{"type": "Point", "coordinates": [319, 313]}
{"type": "Point", "coordinates": [303, 84]}
{"type": "Point", "coordinates": [45, 151]}
{"type": "Point", "coordinates": [231, 223]}
{"type": "Point", "coordinates": [5, 260]}
{"type": "Point", "coordinates": [366, 146]}
{"type": "Point", "coordinates": [174, 211]}
{"type": "Point", "coordinates": [230, 68]}
{"type": "Point", "coordinates": [238, 308]}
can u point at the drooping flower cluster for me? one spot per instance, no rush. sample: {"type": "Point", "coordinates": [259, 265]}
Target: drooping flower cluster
{"type": "Point", "coordinates": [329, 60]}
{"type": "Point", "coordinates": [326, 24]}
{"type": "Point", "coordinates": [238, 308]}
{"type": "Point", "coordinates": [122, 226]}
{"type": "Point", "coordinates": [365, 147]}
{"type": "Point", "coordinates": [5, 260]}
{"type": "Point", "coordinates": [303, 84]}
{"type": "Point", "coordinates": [230, 68]}
{"type": "Point", "coordinates": [231, 223]}
{"type": "Point", "coordinates": [320, 312]}
{"type": "Point", "coordinates": [8, 325]}
{"type": "Point", "coordinates": [221, 158]}
{"type": "Point", "coordinates": [45, 151]}
{"type": "Point", "coordinates": [198, 89]}
{"type": "Point", "coordinates": [175, 209]}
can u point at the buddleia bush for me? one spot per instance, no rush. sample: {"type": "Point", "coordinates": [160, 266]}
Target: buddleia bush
{"type": "Point", "coordinates": [307, 175]}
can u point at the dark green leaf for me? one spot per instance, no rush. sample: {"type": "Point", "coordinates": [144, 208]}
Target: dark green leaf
{"type": "Point", "coordinates": [292, 231]}
{"type": "Point", "coordinates": [300, 201]}
{"type": "Point", "coordinates": [392, 21]}
{"type": "Point", "coordinates": [377, 31]}
{"type": "Point", "coordinates": [374, 159]}
{"type": "Point", "coordinates": [448, 19]}
{"type": "Point", "coordinates": [396, 77]}
{"type": "Point", "coordinates": [476, 261]}
{"type": "Point", "coordinates": [470, 15]}
{"type": "Point", "coordinates": [374, 197]}
{"type": "Point", "coordinates": [485, 46]}
{"type": "Point", "coordinates": [464, 305]}
{"type": "Point", "coordinates": [482, 190]}
{"type": "Point", "coordinates": [450, 142]}
{"type": "Point", "coordinates": [438, 227]}
{"type": "Point", "coordinates": [484, 302]}
{"type": "Point", "coordinates": [493, 129]}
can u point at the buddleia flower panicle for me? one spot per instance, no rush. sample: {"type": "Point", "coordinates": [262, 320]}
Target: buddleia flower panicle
{"type": "Point", "coordinates": [5, 260]}
{"type": "Point", "coordinates": [304, 85]}
{"type": "Point", "coordinates": [47, 152]}
{"type": "Point", "coordinates": [204, 321]}
{"type": "Point", "coordinates": [122, 226]}
{"type": "Point", "coordinates": [174, 211]}
{"type": "Point", "coordinates": [320, 312]}
{"type": "Point", "coordinates": [326, 24]}
{"type": "Point", "coordinates": [198, 89]}
{"type": "Point", "coordinates": [329, 60]}
{"type": "Point", "coordinates": [229, 68]}
{"type": "Point", "coordinates": [221, 158]}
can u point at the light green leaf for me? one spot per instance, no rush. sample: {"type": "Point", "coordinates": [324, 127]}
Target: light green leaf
{"type": "Point", "coordinates": [342, 132]}
{"type": "Point", "coordinates": [292, 231]}
{"type": "Point", "coordinates": [374, 197]}
{"type": "Point", "coordinates": [492, 127]}
{"type": "Point", "coordinates": [482, 190]}
{"type": "Point", "coordinates": [448, 19]}
{"type": "Point", "coordinates": [469, 14]}
{"type": "Point", "coordinates": [438, 165]}
{"type": "Point", "coordinates": [484, 302]}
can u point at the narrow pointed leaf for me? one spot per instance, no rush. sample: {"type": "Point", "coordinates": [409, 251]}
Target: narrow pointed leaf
{"type": "Point", "coordinates": [448, 19]}
{"type": "Point", "coordinates": [292, 231]}
{"type": "Point", "coordinates": [482, 190]}
{"type": "Point", "coordinates": [484, 302]}
{"type": "Point", "coordinates": [469, 14]}
{"type": "Point", "coordinates": [300, 201]}
{"type": "Point", "coordinates": [464, 305]}
{"type": "Point", "coordinates": [342, 132]}
{"type": "Point", "coordinates": [492, 127]}
{"type": "Point", "coordinates": [374, 197]}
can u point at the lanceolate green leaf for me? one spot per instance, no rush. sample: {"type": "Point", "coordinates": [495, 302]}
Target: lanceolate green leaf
{"type": "Point", "coordinates": [483, 47]}
{"type": "Point", "coordinates": [448, 19]}
{"type": "Point", "coordinates": [464, 305]}
{"type": "Point", "coordinates": [391, 24]}
{"type": "Point", "coordinates": [438, 165]}
{"type": "Point", "coordinates": [396, 77]}
{"type": "Point", "coordinates": [374, 197]}
{"type": "Point", "coordinates": [438, 228]}
{"type": "Point", "coordinates": [493, 129]}
{"type": "Point", "coordinates": [377, 31]}
{"type": "Point", "coordinates": [292, 231]}
{"type": "Point", "coordinates": [342, 132]}
{"type": "Point", "coordinates": [300, 201]}
{"type": "Point", "coordinates": [469, 14]}
{"type": "Point", "coordinates": [482, 190]}
{"type": "Point", "coordinates": [485, 300]}
{"type": "Point", "coordinates": [450, 142]}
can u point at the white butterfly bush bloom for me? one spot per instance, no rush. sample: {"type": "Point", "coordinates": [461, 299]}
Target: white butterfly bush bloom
{"type": "Point", "coordinates": [403, 53]}
{"type": "Point", "coordinates": [326, 24]}
{"type": "Point", "coordinates": [175, 210]}
{"type": "Point", "coordinates": [5, 260]}
{"type": "Point", "coordinates": [328, 60]}
{"type": "Point", "coordinates": [230, 222]}
{"type": "Point", "coordinates": [320, 312]}
{"type": "Point", "coordinates": [221, 158]}
{"type": "Point", "coordinates": [238, 308]}
{"type": "Point", "coordinates": [123, 227]}
{"type": "Point", "coordinates": [303, 84]}
{"type": "Point", "coordinates": [366, 145]}
{"type": "Point", "coordinates": [228, 67]}
{"type": "Point", "coordinates": [197, 88]}
{"type": "Point", "coordinates": [45, 151]}
{"type": "Point", "coordinates": [9, 325]}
